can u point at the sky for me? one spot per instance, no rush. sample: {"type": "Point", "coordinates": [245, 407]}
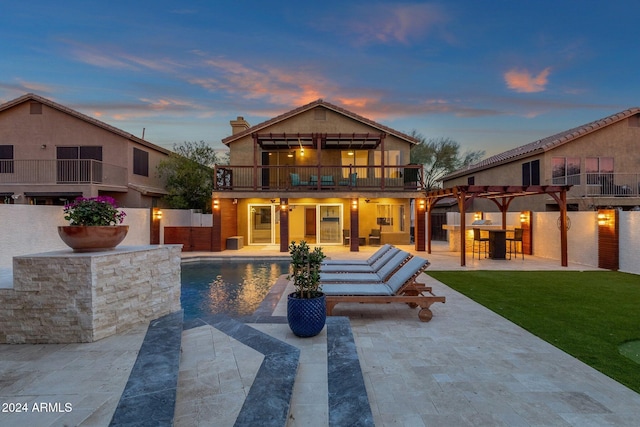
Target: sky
{"type": "Point", "coordinates": [491, 75]}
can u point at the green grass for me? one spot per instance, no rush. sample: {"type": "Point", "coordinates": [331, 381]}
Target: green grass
{"type": "Point", "coordinates": [586, 314]}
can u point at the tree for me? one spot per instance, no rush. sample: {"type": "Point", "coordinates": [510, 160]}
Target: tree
{"type": "Point", "coordinates": [440, 156]}
{"type": "Point", "coordinates": [189, 176]}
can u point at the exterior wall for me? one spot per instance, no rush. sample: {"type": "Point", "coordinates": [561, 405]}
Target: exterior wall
{"type": "Point", "coordinates": [29, 229]}
{"type": "Point", "coordinates": [629, 241]}
{"type": "Point", "coordinates": [61, 297]}
{"type": "Point", "coordinates": [582, 237]}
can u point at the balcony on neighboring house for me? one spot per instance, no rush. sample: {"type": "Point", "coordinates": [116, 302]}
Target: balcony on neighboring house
{"type": "Point", "coordinates": [617, 188]}
{"type": "Point", "coordinates": [67, 172]}
{"type": "Point", "coordinates": [408, 178]}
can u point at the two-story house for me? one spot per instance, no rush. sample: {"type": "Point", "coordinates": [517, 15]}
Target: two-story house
{"type": "Point", "coordinates": [318, 173]}
{"type": "Point", "coordinates": [600, 160]}
{"type": "Point", "coordinates": [51, 154]}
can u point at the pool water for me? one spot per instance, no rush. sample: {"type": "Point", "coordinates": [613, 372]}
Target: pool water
{"type": "Point", "coordinates": [232, 288]}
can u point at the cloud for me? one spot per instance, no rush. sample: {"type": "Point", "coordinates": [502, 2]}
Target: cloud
{"type": "Point", "coordinates": [390, 23]}
{"type": "Point", "coordinates": [523, 81]}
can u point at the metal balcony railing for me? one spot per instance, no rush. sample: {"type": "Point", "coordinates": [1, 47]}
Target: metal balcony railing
{"type": "Point", "coordinates": [61, 172]}
{"type": "Point", "coordinates": [601, 184]}
{"type": "Point", "coordinates": [304, 178]}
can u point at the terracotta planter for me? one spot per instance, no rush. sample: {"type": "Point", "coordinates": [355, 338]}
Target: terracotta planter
{"type": "Point", "coordinates": [92, 238]}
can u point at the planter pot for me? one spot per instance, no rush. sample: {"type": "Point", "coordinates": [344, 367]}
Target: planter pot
{"type": "Point", "coordinates": [306, 316]}
{"type": "Point", "coordinates": [92, 238]}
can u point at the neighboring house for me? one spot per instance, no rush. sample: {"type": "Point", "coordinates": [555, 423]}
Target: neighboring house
{"type": "Point", "coordinates": [51, 154]}
{"type": "Point", "coordinates": [318, 173]}
{"type": "Point", "coordinates": [601, 160]}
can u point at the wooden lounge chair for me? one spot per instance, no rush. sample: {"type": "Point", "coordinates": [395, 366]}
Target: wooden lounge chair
{"type": "Point", "coordinates": [386, 266]}
{"type": "Point", "coordinates": [400, 287]}
{"type": "Point", "coordinates": [361, 268]}
{"type": "Point", "coordinates": [369, 261]}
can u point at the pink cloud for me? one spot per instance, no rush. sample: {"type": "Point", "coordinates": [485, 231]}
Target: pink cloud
{"type": "Point", "coordinates": [524, 81]}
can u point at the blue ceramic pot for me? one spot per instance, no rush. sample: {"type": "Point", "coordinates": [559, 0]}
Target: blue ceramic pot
{"type": "Point", "coordinates": [306, 316]}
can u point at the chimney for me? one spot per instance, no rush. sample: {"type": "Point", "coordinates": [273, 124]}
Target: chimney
{"type": "Point", "coordinates": [239, 125]}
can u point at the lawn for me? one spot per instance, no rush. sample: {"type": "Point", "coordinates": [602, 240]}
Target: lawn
{"type": "Point", "coordinates": [587, 314]}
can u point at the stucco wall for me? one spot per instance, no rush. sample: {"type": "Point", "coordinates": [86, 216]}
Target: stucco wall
{"type": "Point", "coordinates": [28, 229]}
{"type": "Point", "coordinates": [630, 241]}
{"type": "Point", "coordinates": [582, 236]}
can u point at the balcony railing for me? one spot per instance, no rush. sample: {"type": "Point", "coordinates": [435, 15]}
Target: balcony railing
{"type": "Point", "coordinates": [601, 184]}
{"type": "Point", "coordinates": [305, 178]}
{"type": "Point", "coordinates": [61, 172]}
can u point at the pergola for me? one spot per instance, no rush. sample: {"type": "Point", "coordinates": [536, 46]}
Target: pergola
{"type": "Point", "coordinates": [502, 196]}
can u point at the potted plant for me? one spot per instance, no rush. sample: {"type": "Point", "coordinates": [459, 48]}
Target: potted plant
{"type": "Point", "coordinates": [306, 306]}
{"type": "Point", "coordinates": [94, 224]}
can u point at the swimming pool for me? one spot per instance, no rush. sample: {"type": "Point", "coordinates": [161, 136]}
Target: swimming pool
{"type": "Point", "coordinates": [233, 288]}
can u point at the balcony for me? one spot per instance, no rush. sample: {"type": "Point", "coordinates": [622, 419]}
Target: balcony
{"type": "Point", "coordinates": [601, 185]}
{"type": "Point", "coordinates": [61, 172]}
{"type": "Point", "coordinates": [308, 178]}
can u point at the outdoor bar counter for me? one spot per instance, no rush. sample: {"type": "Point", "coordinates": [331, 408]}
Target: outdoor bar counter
{"type": "Point", "coordinates": [499, 236]}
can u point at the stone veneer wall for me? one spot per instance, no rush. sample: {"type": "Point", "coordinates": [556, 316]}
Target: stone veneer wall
{"type": "Point", "coordinates": [64, 297]}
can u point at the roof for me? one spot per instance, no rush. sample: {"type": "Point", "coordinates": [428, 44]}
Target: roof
{"type": "Point", "coordinates": [76, 114]}
{"type": "Point", "coordinates": [310, 106]}
{"type": "Point", "coordinates": [545, 144]}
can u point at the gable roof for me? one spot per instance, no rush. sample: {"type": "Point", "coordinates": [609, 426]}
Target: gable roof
{"type": "Point", "coordinates": [310, 106]}
{"type": "Point", "coordinates": [78, 115]}
{"type": "Point", "coordinates": [544, 144]}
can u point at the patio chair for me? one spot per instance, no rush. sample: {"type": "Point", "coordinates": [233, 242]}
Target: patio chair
{"type": "Point", "coordinates": [386, 266]}
{"type": "Point", "coordinates": [374, 267]}
{"type": "Point", "coordinates": [353, 177]}
{"type": "Point", "coordinates": [513, 242]}
{"type": "Point", "coordinates": [327, 181]}
{"type": "Point", "coordinates": [400, 287]}
{"type": "Point", "coordinates": [369, 261]}
{"type": "Point", "coordinates": [375, 238]}
{"type": "Point", "coordinates": [346, 237]}
{"type": "Point", "coordinates": [477, 238]}
{"type": "Point", "coordinates": [295, 180]}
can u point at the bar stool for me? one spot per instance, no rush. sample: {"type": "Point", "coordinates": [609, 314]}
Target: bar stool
{"type": "Point", "coordinates": [477, 238]}
{"type": "Point", "coordinates": [513, 242]}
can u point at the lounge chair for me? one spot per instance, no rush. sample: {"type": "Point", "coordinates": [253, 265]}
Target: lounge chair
{"type": "Point", "coordinates": [383, 270]}
{"type": "Point", "coordinates": [369, 261]}
{"type": "Point", "coordinates": [362, 268]}
{"type": "Point", "coordinates": [400, 287]}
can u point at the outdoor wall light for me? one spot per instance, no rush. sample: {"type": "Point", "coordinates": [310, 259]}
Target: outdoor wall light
{"type": "Point", "coordinates": [523, 217]}
{"type": "Point", "coordinates": [216, 204]}
{"type": "Point", "coordinates": [43, 146]}
{"type": "Point", "coordinates": [283, 204]}
{"type": "Point", "coordinates": [157, 214]}
{"type": "Point", "coordinates": [477, 216]}
{"type": "Point", "coordinates": [603, 219]}
{"type": "Point", "coordinates": [421, 204]}
{"type": "Point", "coordinates": [354, 204]}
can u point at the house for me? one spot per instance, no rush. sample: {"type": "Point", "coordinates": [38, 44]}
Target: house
{"type": "Point", "coordinates": [600, 160]}
{"type": "Point", "coordinates": [318, 173]}
{"type": "Point", "coordinates": [51, 154]}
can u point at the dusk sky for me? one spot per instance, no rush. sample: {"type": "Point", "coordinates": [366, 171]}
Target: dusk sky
{"type": "Point", "coordinates": [491, 75]}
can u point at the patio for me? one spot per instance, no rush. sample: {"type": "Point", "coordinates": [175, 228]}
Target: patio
{"type": "Point", "coordinates": [467, 366]}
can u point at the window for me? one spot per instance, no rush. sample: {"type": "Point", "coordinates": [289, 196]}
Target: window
{"type": "Point", "coordinates": [140, 162]}
{"type": "Point", "coordinates": [565, 170]}
{"type": "Point", "coordinates": [531, 173]}
{"type": "Point", "coordinates": [471, 180]}
{"type": "Point", "coordinates": [392, 162]}
{"type": "Point", "coordinates": [79, 163]}
{"type": "Point", "coordinates": [391, 218]}
{"type": "Point", "coordinates": [6, 158]}
{"type": "Point", "coordinates": [599, 170]}
{"type": "Point", "coordinates": [354, 158]}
